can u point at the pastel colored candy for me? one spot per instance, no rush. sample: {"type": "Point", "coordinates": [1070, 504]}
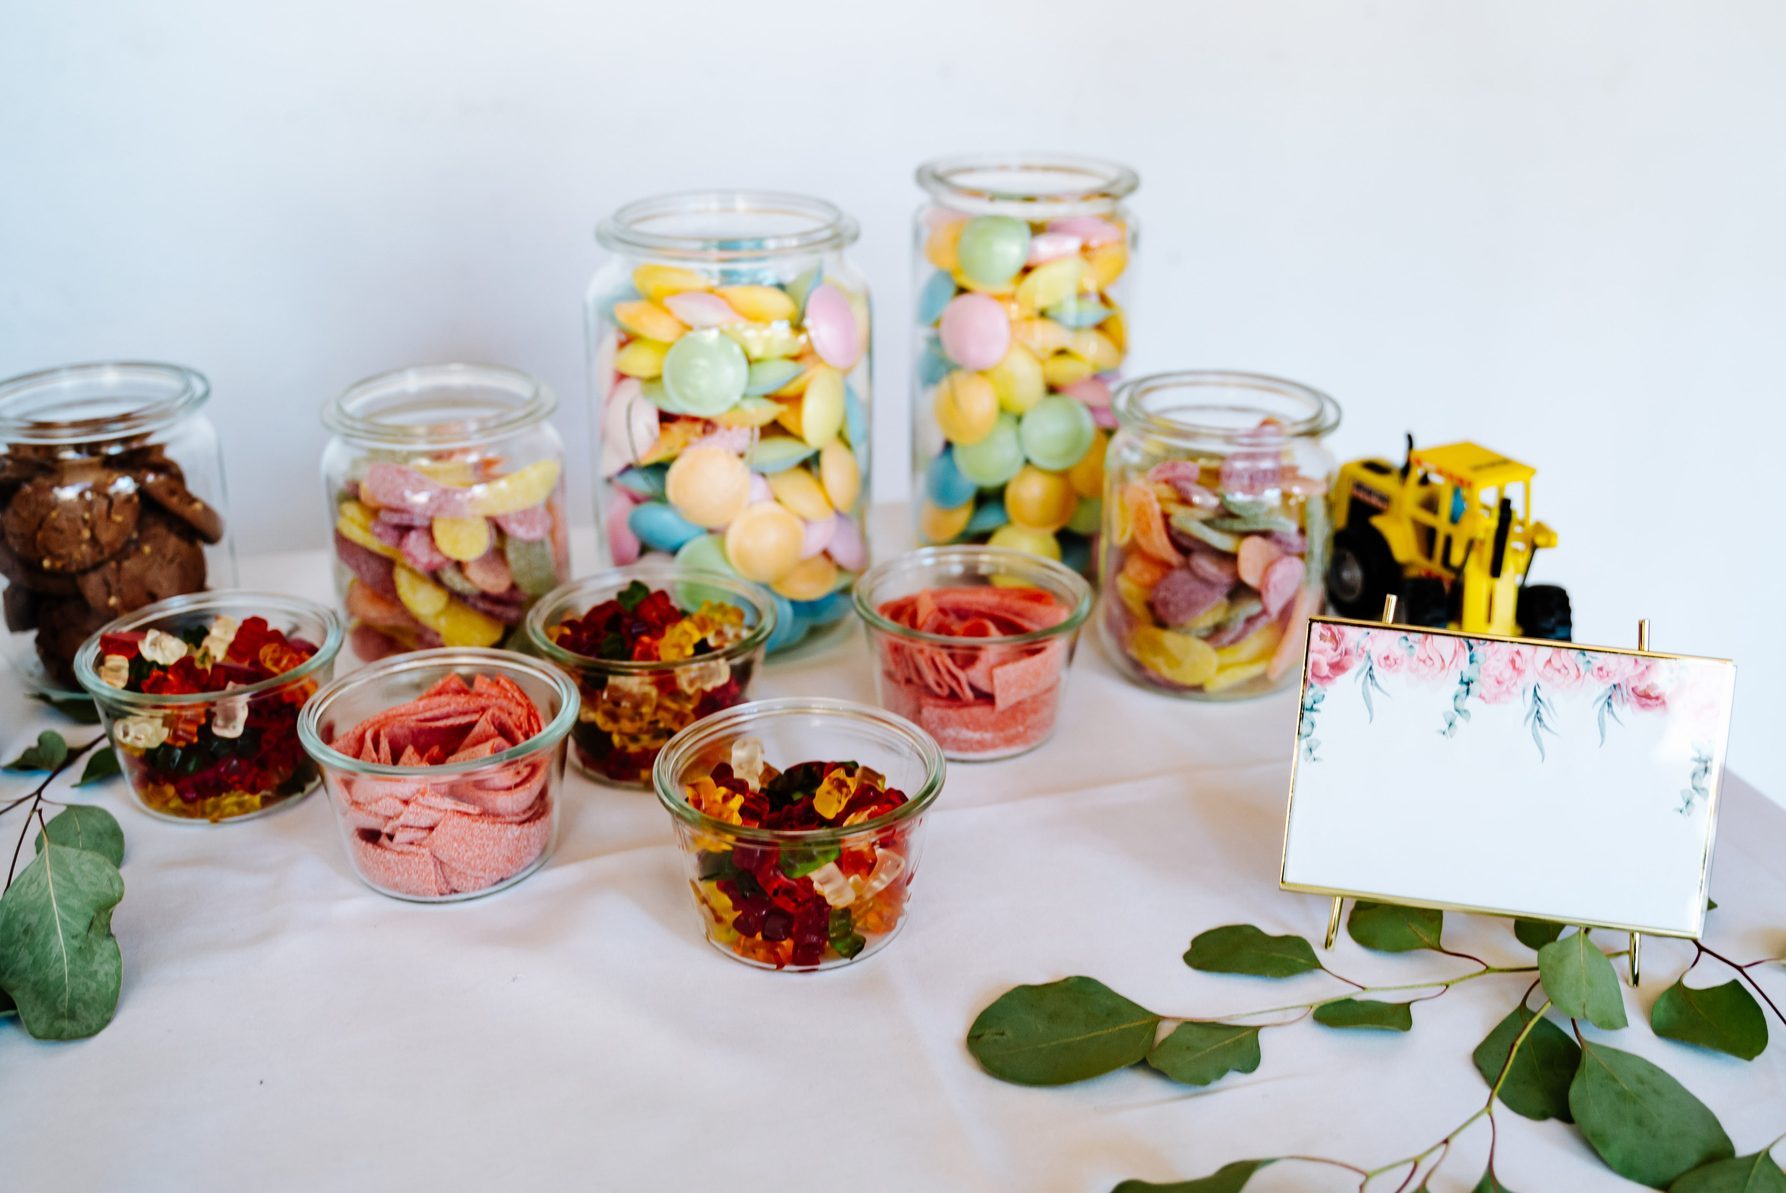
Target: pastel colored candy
{"type": "Point", "coordinates": [698, 309]}
{"type": "Point", "coordinates": [987, 517]}
{"type": "Point", "coordinates": [832, 326]}
{"type": "Point", "coordinates": [760, 304]}
{"type": "Point", "coordinates": [1282, 578]}
{"type": "Point", "coordinates": [1056, 432]}
{"type": "Point", "coordinates": [1039, 499]}
{"type": "Point", "coordinates": [645, 482]}
{"type": "Point", "coordinates": [821, 408]}
{"type": "Point", "coordinates": [1051, 284]}
{"type": "Point", "coordinates": [774, 453]}
{"type": "Point", "coordinates": [762, 341]}
{"type": "Point", "coordinates": [933, 296]}
{"type": "Point", "coordinates": [658, 282]}
{"type": "Point", "coordinates": [841, 475]}
{"type": "Point", "coordinates": [661, 528]}
{"type": "Point", "coordinates": [764, 542]}
{"type": "Point", "coordinates": [624, 546]}
{"type": "Point", "coordinates": [705, 372]}
{"type": "Point", "coordinates": [818, 537]}
{"type": "Point", "coordinates": [944, 483]}
{"type": "Point", "coordinates": [767, 376]}
{"type": "Point", "coordinates": [708, 486]}
{"type": "Point", "coordinates": [489, 574]}
{"type": "Point", "coordinates": [855, 418]}
{"type": "Point", "coordinates": [801, 492]}
{"type": "Point", "coordinates": [1093, 391]}
{"type": "Point", "coordinates": [933, 363]}
{"type": "Point", "coordinates": [789, 628]}
{"type": "Point", "coordinates": [1088, 515]}
{"type": "Point", "coordinates": [1051, 246]}
{"type": "Point", "coordinates": [1087, 473]}
{"type": "Point", "coordinates": [975, 332]}
{"type": "Point", "coordinates": [1257, 552]}
{"type": "Point", "coordinates": [848, 547]}
{"type": "Point", "coordinates": [534, 566]}
{"type": "Point", "coordinates": [801, 288]}
{"type": "Point", "coordinates": [826, 609]}
{"type": "Point", "coordinates": [705, 554]}
{"type": "Point", "coordinates": [1026, 539]}
{"type": "Point", "coordinates": [966, 408]}
{"type": "Point", "coordinates": [1089, 230]}
{"type": "Point", "coordinates": [943, 524]}
{"type": "Point", "coordinates": [641, 358]}
{"type": "Point", "coordinates": [812, 578]}
{"type": "Point", "coordinates": [462, 538]}
{"type": "Point", "coordinates": [992, 248]}
{"type": "Point", "coordinates": [1075, 313]}
{"type": "Point", "coordinates": [648, 320]}
{"type": "Point", "coordinates": [994, 458]}
{"type": "Point", "coordinates": [1017, 380]}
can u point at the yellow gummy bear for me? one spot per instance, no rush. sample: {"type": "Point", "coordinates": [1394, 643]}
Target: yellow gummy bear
{"type": "Point", "coordinates": [834, 792]}
{"type": "Point", "coordinates": [710, 799]}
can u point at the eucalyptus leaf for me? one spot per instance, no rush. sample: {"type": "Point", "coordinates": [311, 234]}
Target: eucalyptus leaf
{"type": "Point", "coordinates": [1366, 1012]}
{"type": "Point", "coordinates": [1642, 1122]}
{"type": "Point", "coordinates": [83, 826]}
{"type": "Point", "coordinates": [58, 958]}
{"type": "Point", "coordinates": [1245, 949]}
{"type": "Point", "coordinates": [1725, 1018]}
{"type": "Point", "coordinates": [1580, 981]}
{"type": "Point", "coordinates": [1757, 1173]}
{"type": "Point", "coordinates": [1537, 1086]}
{"type": "Point", "coordinates": [1199, 1053]}
{"type": "Point", "coordinates": [1535, 934]}
{"type": "Point", "coordinates": [75, 708]}
{"type": "Point", "coordinates": [1061, 1032]}
{"type": "Point", "coordinates": [102, 765]}
{"type": "Point", "coordinates": [1490, 1183]}
{"type": "Point", "coordinates": [1392, 928]}
{"type": "Point", "coordinates": [48, 753]}
{"type": "Point", "coordinates": [1229, 1178]}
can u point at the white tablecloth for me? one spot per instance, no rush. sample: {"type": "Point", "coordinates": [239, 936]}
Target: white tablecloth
{"type": "Point", "coordinates": [284, 1028]}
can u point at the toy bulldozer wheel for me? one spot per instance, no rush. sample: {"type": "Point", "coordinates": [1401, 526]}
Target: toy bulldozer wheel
{"type": "Point", "coordinates": [1361, 573]}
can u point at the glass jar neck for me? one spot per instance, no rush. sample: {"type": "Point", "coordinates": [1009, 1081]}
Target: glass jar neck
{"type": "Point", "coordinates": [1027, 185]}
{"type": "Point", "coordinates": [1220, 411]}
{"type": "Point", "coordinates": [430, 407]}
{"type": "Point", "coordinates": [727, 226]}
{"type": "Point", "coordinates": [100, 403]}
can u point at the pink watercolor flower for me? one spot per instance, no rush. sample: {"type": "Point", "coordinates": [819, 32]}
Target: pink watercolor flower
{"type": "Point", "coordinates": [1504, 671]}
{"type": "Point", "coordinates": [1560, 668]}
{"type": "Point", "coordinates": [1611, 668]}
{"type": "Point", "coordinates": [1436, 656]}
{"type": "Point", "coordinates": [1647, 688]}
{"type": "Point", "coordinates": [1331, 653]}
{"type": "Point", "coordinates": [1389, 652]}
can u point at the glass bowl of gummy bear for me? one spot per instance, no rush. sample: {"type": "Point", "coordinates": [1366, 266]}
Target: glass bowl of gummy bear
{"type": "Point", "coordinates": [200, 697]}
{"type": "Point", "coordinates": [652, 648]}
{"type": "Point", "coordinates": [807, 865]}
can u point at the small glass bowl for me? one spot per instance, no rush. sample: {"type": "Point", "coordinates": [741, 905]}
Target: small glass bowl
{"type": "Point", "coordinates": [176, 763]}
{"type": "Point", "coordinates": [881, 854]}
{"type": "Point", "coordinates": [957, 688]}
{"type": "Point", "coordinates": [631, 709]}
{"type": "Point", "coordinates": [438, 834]}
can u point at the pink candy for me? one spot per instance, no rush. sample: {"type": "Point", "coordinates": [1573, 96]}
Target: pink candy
{"type": "Point", "coordinates": [975, 331]}
{"type": "Point", "coordinates": [832, 325]}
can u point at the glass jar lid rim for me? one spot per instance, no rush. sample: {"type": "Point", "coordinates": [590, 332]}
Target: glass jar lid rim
{"type": "Point", "coordinates": [627, 228]}
{"type": "Point", "coordinates": [1321, 414]}
{"type": "Point", "coordinates": [184, 391]}
{"type": "Point", "coordinates": [1107, 182]}
{"type": "Point", "coordinates": [534, 403]}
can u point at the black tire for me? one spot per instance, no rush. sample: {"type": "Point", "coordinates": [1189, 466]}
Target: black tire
{"type": "Point", "coordinates": [1543, 612]}
{"type": "Point", "coordinates": [1425, 602]}
{"type": "Point", "coordinates": [1361, 573]}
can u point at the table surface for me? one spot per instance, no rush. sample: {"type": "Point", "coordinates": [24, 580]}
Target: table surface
{"type": "Point", "coordinates": [283, 1027]}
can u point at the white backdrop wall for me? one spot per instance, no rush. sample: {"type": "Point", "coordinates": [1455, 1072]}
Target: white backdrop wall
{"type": "Point", "coordinates": [1559, 228]}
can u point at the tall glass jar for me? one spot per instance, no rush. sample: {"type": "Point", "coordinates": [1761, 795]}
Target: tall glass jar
{"type": "Point", "coordinates": [111, 498]}
{"type": "Point", "coordinates": [445, 489]}
{"type": "Point", "coordinates": [729, 368]}
{"type": "Point", "coordinates": [1215, 530]}
{"type": "Point", "coordinates": [1023, 273]}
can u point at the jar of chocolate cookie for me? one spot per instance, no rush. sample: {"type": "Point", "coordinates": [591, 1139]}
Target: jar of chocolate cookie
{"type": "Point", "coordinates": [111, 498]}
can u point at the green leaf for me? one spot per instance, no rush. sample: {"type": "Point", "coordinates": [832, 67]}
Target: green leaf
{"type": "Point", "coordinates": [1061, 1032]}
{"type": "Point", "coordinates": [101, 766]}
{"type": "Point", "coordinates": [75, 708]}
{"type": "Point", "coordinates": [1725, 1018]}
{"type": "Point", "coordinates": [1642, 1122]}
{"type": "Point", "coordinates": [1758, 1173]}
{"type": "Point", "coordinates": [1535, 934]}
{"type": "Point", "coordinates": [1229, 1178]}
{"type": "Point", "coordinates": [1242, 948]}
{"type": "Point", "coordinates": [1198, 1053]}
{"type": "Point", "coordinates": [1366, 1012]}
{"type": "Point", "coordinates": [83, 826]}
{"type": "Point", "coordinates": [1490, 1183]}
{"type": "Point", "coordinates": [58, 958]}
{"type": "Point", "coordinates": [49, 753]}
{"type": "Point", "coordinates": [1391, 928]}
{"type": "Point", "coordinates": [1580, 981]}
{"type": "Point", "coordinates": [1537, 1086]}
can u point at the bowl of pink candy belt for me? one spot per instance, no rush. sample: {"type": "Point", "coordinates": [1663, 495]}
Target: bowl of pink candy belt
{"type": "Point", "coordinates": [444, 768]}
{"type": "Point", "coordinates": [973, 644]}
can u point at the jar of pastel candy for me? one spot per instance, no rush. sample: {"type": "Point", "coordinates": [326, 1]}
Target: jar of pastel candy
{"type": "Point", "coordinates": [729, 361]}
{"type": "Point", "coordinates": [1023, 278]}
{"type": "Point", "coordinates": [1215, 530]}
{"type": "Point", "coordinates": [445, 488]}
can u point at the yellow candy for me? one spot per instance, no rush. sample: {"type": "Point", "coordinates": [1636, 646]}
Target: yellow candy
{"type": "Point", "coordinates": [1087, 476]}
{"type": "Point", "coordinates": [1040, 500]}
{"type": "Point", "coordinates": [834, 793]}
{"type": "Point", "coordinates": [817, 416]}
{"type": "Point", "coordinates": [460, 625]}
{"type": "Point", "coordinates": [420, 595]}
{"type": "Point", "coordinates": [648, 320]}
{"type": "Point", "coordinates": [1183, 659]}
{"type": "Point", "coordinates": [1050, 284]}
{"type": "Point", "coordinates": [1208, 619]}
{"type": "Point", "coordinates": [1096, 349]}
{"type": "Point", "coordinates": [658, 282]}
{"type": "Point", "coordinates": [462, 538]}
{"type": "Point", "coordinates": [1106, 263]}
{"type": "Point", "coordinates": [1227, 677]}
{"type": "Point", "coordinates": [1003, 289]}
{"type": "Point", "coordinates": [1026, 539]}
{"type": "Point", "coordinates": [1063, 369]}
{"type": "Point", "coordinates": [840, 474]}
{"type": "Point", "coordinates": [966, 407]}
{"type": "Point", "coordinates": [760, 304]}
{"type": "Point", "coordinates": [939, 246]}
{"type": "Point", "coordinates": [801, 492]}
{"type": "Point", "coordinates": [521, 489]}
{"type": "Point", "coordinates": [939, 525]}
{"type": "Point", "coordinates": [643, 359]}
{"type": "Point", "coordinates": [1134, 597]}
{"type": "Point", "coordinates": [708, 485]}
{"type": "Point", "coordinates": [457, 473]}
{"type": "Point", "coordinates": [672, 438]}
{"type": "Point", "coordinates": [1255, 646]}
{"type": "Point", "coordinates": [1017, 380]}
{"type": "Point", "coordinates": [353, 522]}
{"type": "Point", "coordinates": [764, 542]}
{"type": "Point", "coordinates": [811, 579]}
{"type": "Point", "coordinates": [1044, 337]}
{"type": "Point", "coordinates": [750, 412]}
{"type": "Point", "coordinates": [762, 341]}
{"type": "Point", "coordinates": [799, 381]}
{"type": "Point", "coordinates": [1117, 328]}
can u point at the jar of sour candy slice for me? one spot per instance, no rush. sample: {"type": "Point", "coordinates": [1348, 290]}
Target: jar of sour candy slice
{"type": "Point", "coordinates": [729, 368]}
{"type": "Point", "coordinates": [1023, 272]}
{"type": "Point", "coordinates": [1215, 530]}
{"type": "Point", "coordinates": [445, 487]}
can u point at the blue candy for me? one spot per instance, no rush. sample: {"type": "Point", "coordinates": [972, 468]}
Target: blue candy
{"type": "Point", "coordinates": [987, 517]}
{"type": "Point", "coordinates": [826, 609]}
{"type": "Point", "coordinates": [1075, 552]}
{"type": "Point", "coordinates": [646, 482]}
{"type": "Point", "coordinates": [789, 627]}
{"type": "Point", "coordinates": [855, 420]}
{"type": "Point", "coordinates": [662, 528]}
{"type": "Point", "coordinates": [933, 296]}
{"type": "Point", "coordinates": [933, 366]}
{"type": "Point", "coordinates": [1078, 313]}
{"type": "Point", "coordinates": [945, 484]}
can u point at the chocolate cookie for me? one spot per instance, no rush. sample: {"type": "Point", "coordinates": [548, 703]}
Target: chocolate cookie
{"type": "Point", "coordinates": [167, 488]}
{"type": "Point", "coordinates": [164, 561]}
{"type": "Point", "coordinates": [63, 623]}
{"type": "Point", "coordinates": [70, 521]}
{"type": "Point", "coordinates": [21, 608]}
{"type": "Point", "coordinates": [23, 575]}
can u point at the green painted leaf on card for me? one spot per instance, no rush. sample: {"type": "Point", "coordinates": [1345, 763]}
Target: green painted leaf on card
{"type": "Point", "coordinates": [1199, 1053]}
{"type": "Point", "coordinates": [83, 826]}
{"type": "Point", "coordinates": [1535, 934]}
{"type": "Point", "coordinates": [1244, 949]}
{"type": "Point", "coordinates": [1580, 981]}
{"type": "Point", "coordinates": [1758, 1173]}
{"type": "Point", "coordinates": [1392, 928]}
{"type": "Point", "coordinates": [1229, 1178]}
{"type": "Point", "coordinates": [1061, 1032]}
{"type": "Point", "coordinates": [1726, 1018]}
{"type": "Point", "coordinates": [49, 752]}
{"type": "Point", "coordinates": [1366, 1012]}
{"type": "Point", "coordinates": [58, 958]}
{"type": "Point", "coordinates": [101, 766]}
{"type": "Point", "coordinates": [1537, 1086]}
{"type": "Point", "coordinates": [1642, 1122]}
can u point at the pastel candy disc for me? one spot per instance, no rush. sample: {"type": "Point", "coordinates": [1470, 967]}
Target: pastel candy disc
{"type": "Point", "coordinates": [765, 542]}
{"type": "Point", "coordinates": [1056, 432]}
{"type": "Point", "coordinates": [996, 458]}
{"type": "Point", "coordinates": [832, 325]}
{"type": "Point", "coordinates": [975, 331]}
{"type": "Point", "coordinates": [708, 486]}
{"type": "Point", "coordinates": [993, 248]}
{"type": "Point", "coordinates": [705, 372]}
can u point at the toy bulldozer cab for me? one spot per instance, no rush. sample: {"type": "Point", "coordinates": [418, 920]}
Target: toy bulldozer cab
{"type": "Point", "coordinates": [1450, 532]}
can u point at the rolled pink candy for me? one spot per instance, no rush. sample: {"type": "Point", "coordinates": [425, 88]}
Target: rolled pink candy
{"type": "Point", "coordinates": [1093, 391]}
{"type": "Point", "coordinates": [700, 309]}
{"type": "Point", "coordinates": [1090, 229]}
{"type": "Point", "coordinates": [846, 548]}
{"type": "Point", "coordinates": [420, 553]}
{"type": "Point", "coordinates": [818, 537]}
{"type": "Point", "coordinates": [623, 545]}
{"type": "Point", "coordinates": [392, 486]}
{"type": "Point", "coordinates": [1051, 246]}
{"type": "Point", "coordinates": [529, 525]}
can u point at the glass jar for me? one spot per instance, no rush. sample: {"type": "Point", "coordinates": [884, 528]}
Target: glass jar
{"type": "Point", "coordinates": [729, 356]}
{"type": "Point", "coordinates": [445, 489]}
{"type": "Point", "coordinates": [1215, 530]}
{"type": "Point", "coordinates": [1022, 282]}
{"type": "Point", "coordinates": [111, 498]}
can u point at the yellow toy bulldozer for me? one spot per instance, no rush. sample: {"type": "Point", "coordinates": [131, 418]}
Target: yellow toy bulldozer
{"type": "Point", "coordinates": [1450, 532]}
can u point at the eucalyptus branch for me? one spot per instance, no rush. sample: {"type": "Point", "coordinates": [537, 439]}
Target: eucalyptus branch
{"type": "Point", "coordinates": [1742, 971]}
{"type": "Point", "coordinates": [1442, 985]}
{"type": "Point", "coordinates": [35, 797]}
